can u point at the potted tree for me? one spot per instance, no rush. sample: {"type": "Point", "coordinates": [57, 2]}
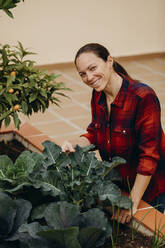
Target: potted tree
{"type": "Point", "coordinates": [24, 88]}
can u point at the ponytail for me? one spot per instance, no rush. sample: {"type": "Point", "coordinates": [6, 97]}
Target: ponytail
{"type": "Point", "coordinates": [119, 69]}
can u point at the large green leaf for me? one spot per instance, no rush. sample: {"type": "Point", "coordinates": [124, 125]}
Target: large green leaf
{"type": "Point", "coordinates": [25, 162]}
{"type": "Point", "coordinates": [5, 164]}
{"type": "Point", "coordinates": [61, 215]}
{"type": "Point", "coordinates": [109, 191]}
{"type": "Point", "coordinates": [38, 212]}
{"type": "Point", "coordinates": [114, 176]}
{"type": "Point", "coordinates": [95, 229]}
{"type": "Point", "coordinates": [64, 238]}
{"type": "Point", "coordinates": [28, 236]}
{"type": "Point", "coordinates": [124, 202]}
{"type": "Point", "coordinates": [96, 218]}
{"type": "Point", "coordinates": [8, 209]}
{"type": "Point", "coordinates": [23, 211]}
{"type": "Point", "coordinates": [89, 237]}
{"type": "Point", "coordinates": [14, 177]}
{"type": "Point", "coordinates": [51, 152]}
{"type": "Point", "coordinates": [48, 183]}
{"type": "Point", "coordinates": [17, 187]}
{"type": "Point", "coordinates": [110, 165]}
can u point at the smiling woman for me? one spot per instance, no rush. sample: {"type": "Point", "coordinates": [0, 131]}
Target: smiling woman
{"type": "Point", "coordinates": [125, 123]}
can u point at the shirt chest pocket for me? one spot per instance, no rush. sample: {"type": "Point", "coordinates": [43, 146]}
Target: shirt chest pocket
{"type": "Point", "coordinates": [121, 139]}
{"type": "Point", "coordinates": [100, 133]}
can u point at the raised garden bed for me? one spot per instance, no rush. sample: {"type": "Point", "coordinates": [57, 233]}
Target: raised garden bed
{"type": "Point", "coordinates": [125, 235]}
{"type": "Point", "coordinates": [12, 148]}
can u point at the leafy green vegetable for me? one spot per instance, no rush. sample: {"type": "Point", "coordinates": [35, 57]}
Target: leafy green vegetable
{"type": "Point", "coordinates": [77, 178]}
{"type": "Point", "coordinates": [64, 191]}
{"type": "Point", "coordinates": [13, 213]}
{"type": "Point", "coordinates": [29, 239]}
{"type": "Point", "coordinates": [14, 177]}
{"type": "Point", "coordinates": [68, 228]}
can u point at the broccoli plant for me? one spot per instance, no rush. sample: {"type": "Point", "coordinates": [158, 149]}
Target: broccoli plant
{"type": "Point", "coordinates": [64, 191]}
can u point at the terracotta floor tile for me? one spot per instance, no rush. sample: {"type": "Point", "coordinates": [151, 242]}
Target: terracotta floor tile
{"type": "Point", "coordinates": [133, 68]}
{"type": "Point", "coordinates": [150, 77]}
{"type": "Point", "coordinates": [154, 65]}
{"type": "Point", "coordinates": [71, 111]}
{"type": "Point", "coordinates": [56, 128]}
{"type": "Point", "coordinates": [38, 117]}
{"type": "Point", "coordinates": [83, 97]}
{"type": "Point", "coordinates": [75, 85]}
{"type": "Point", "coordinates": [82, 122]}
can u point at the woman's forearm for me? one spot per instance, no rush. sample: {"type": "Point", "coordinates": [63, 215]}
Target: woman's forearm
{"type": "Point", "coordinates": [139, 187]}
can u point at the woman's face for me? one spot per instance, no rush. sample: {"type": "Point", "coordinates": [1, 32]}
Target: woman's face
{"type": "Point", "coordinates": [94, 71]}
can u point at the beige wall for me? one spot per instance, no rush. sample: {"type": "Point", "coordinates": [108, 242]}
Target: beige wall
{"type": "Point", "coordinates": [55, 29]}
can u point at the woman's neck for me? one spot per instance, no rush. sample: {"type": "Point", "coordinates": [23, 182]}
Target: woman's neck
{"type": "Point", "coordinates": [113, 86]}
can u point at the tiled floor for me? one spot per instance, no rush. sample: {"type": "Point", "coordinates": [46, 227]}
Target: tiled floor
{"type": "Point", "coordinates": [72, 118]}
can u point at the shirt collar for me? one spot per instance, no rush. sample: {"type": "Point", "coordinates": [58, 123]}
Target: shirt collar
{"type": "Point", "coordinates": [119, 99]}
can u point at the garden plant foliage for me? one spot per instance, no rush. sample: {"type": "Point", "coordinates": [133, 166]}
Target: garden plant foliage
{"type": "Point", "coordinates": [63, 191]}
{"type": "Point", "coordinates": [23, 87]}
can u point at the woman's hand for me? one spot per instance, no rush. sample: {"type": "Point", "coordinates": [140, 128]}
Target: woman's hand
{"type": "Point", "coordinates": [124, 215]}
{"type": "Point", "coordinates": [67, 147]}
{"type": "Point", "coordinates": [139, 187]}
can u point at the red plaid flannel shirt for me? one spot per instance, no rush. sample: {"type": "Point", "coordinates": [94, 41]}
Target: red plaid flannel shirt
{"type": "Point", "coordinates": [133, 132]}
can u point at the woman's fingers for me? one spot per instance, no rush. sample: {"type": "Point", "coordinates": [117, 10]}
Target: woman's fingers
{"type": "Point", "coordinates": [67, 147]}
{"type": "Point", "coordinates": [123, 215]}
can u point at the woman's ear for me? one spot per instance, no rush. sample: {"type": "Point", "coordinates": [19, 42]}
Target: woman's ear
{"type": "Point", "coordinates": [110, 60]}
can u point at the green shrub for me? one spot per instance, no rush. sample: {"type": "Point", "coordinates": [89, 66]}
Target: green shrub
{"type": "Point", "coordinates": [24, 88]}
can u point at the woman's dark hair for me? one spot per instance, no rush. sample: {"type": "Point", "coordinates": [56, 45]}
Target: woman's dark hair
{"type": "Point", "coordinates": [102, 53]}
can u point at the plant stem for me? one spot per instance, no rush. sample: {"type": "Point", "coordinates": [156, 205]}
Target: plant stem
{"type": "Point", "coordinates": [89, 167]}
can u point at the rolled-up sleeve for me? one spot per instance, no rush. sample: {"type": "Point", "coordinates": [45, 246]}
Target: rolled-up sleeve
{"type": "Point", "coordinates": [90, 135]}
{"type": "Point", "coordinates": [148, 131]}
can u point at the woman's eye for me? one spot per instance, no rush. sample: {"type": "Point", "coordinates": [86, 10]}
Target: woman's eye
{"type": "Point", "coordinates": [82, 75]}
{"type": "Point", "coordinates": [93, 68]}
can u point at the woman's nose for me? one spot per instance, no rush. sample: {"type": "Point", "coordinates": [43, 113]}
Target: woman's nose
{"type": "Point", "coordinates": [89, 77]}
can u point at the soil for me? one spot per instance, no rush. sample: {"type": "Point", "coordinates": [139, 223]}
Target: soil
{"type": "Point", "coordinates": [125, 240]}
{"type": "Point", "coordinates": [11, 148]}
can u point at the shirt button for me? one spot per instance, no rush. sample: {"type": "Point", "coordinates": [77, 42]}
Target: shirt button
{"type": "Point", "coordinates": [108, 141]}
{"type": "Point", "coordinates": [124, 131]}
